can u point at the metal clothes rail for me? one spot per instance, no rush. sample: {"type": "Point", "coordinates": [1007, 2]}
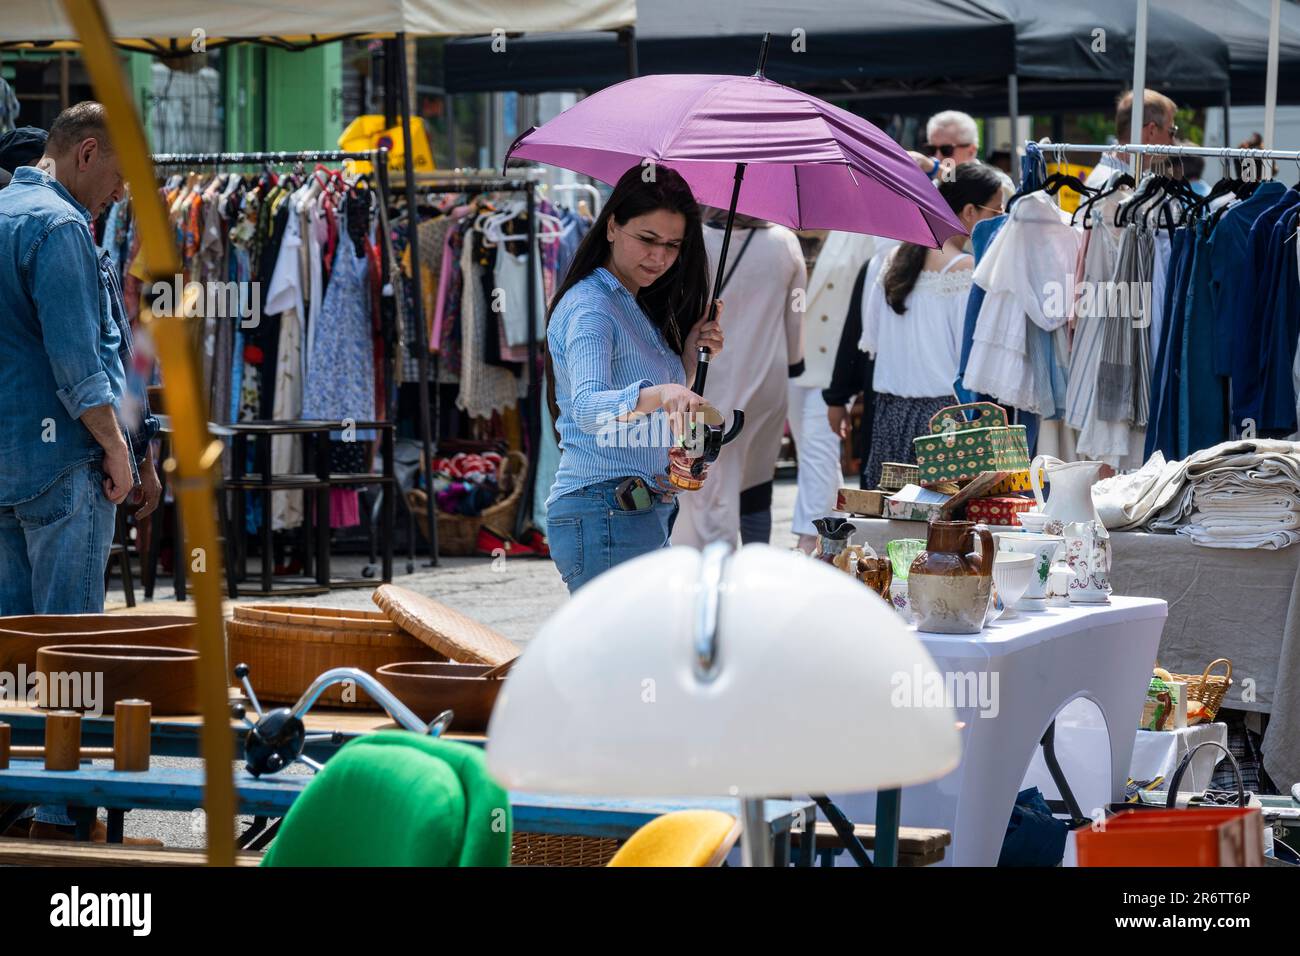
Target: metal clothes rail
{"type": "Point", "coordinates": [277, 158]}
{"type": "Point", "coordinates": [1212, 152]}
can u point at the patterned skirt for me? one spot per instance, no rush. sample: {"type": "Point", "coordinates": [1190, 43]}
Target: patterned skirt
{"type": "Point", "coordinates": [896, 422]}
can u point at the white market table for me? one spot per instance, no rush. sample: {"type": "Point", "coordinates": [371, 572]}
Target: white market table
{"type": "Point", "coordinates": [1029, 668]}
{"type": "Point", "coordinates": [1083, 748]}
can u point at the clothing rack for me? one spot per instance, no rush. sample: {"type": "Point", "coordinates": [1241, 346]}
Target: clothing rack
{"type": "Point", "coordinates": [471, 183]}
{"type": "Point", "coordinates": [1211, 152]}
{"type": "Point", "coordinates": [378, 158]}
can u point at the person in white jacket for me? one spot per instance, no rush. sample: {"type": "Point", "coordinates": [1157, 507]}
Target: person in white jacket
{"type": "Point", "coordinates": [763, 281]}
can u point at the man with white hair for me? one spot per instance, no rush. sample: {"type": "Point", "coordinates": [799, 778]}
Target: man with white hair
{"type": "Point", "coordinates": [951, 137]}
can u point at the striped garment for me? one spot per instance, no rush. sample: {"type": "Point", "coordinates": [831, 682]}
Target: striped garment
{"type": "Point", "coordinates": [605, 350]}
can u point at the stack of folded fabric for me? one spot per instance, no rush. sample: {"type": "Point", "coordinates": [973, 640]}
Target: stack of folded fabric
{"type": "Point", "coordinates": [1238, 494]}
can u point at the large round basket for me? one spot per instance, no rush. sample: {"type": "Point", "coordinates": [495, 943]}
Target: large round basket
{"type": "Point", "coordinates": [458, 534]}
{"type": "Point", "coordinates": [287, 647]}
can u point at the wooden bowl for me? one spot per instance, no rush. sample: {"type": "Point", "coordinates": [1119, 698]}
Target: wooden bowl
{"type": "Point", "coordinates": [22, 636]}
{"type": "Point", "coordinates": [167, 677]}
{"type": "Point", "coordinates": [430, 687]}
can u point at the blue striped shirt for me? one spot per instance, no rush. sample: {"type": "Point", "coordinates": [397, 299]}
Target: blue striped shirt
{"type": "Point", "coordinates": [604, 350]}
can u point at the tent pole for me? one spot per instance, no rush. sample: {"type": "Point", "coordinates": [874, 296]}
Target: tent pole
{"type": "Point", "coordinates": [629, 36]}
{"type": "Point", "coordinates": [421, 330]}
{"type": "Point", "coordinates": [1270, 88]}
{"type": "Point", "coordinates": [1138, 118]}
{"type": "Point", "coordinates": [1013, 113]}
{"type": "Point", "coordinates": [1227, 134]}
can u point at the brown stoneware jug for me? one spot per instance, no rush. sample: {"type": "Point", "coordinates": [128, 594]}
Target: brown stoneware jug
{"type": "Point", "coordinates": [949, 582]}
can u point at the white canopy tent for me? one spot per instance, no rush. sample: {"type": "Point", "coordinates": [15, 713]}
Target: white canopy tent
{"type": "Point", "coordinates": [44, 20]}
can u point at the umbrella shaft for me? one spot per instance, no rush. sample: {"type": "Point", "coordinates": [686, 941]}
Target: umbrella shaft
{"type": "Point", "coordinates": [702, 363]}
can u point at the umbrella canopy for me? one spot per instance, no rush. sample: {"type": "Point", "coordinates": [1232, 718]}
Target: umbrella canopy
{"type": "Point", "coordinates": [809, 165]}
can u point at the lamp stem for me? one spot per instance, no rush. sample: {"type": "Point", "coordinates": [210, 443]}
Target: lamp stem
{"type": "Point", "coordinates": [756, 846]}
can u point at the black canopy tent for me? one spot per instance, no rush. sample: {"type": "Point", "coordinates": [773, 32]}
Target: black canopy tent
{"type": "Point", "coordinates": [837, 46]}
{"type": "Point", "coordinates": [891, 55]}
{"type": "Point", "coordinates": [1243, 26]}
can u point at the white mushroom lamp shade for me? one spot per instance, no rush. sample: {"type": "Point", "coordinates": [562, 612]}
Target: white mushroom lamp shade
{"type": "Point", "coordinates": [618, 693]}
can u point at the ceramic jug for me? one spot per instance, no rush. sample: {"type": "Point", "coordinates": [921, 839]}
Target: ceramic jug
{"type": "Point", "coordinates": [1071, 497]}
{"type": "Point", "coordinates": [1087, 552]}
{"type": "Point", "coordinates": [832, 537]}
{"type": "Point", "coordinates": [949, 582]}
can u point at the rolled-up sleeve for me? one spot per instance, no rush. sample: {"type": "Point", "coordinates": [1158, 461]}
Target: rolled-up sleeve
{"type": "Point", "coordinates": [589, 349]}
{"type": "Point", "coordinates": [65, 289]}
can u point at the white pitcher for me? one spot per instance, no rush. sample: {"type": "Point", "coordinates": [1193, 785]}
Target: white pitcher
{"type": "Point", "coordinates": [1071, 481]}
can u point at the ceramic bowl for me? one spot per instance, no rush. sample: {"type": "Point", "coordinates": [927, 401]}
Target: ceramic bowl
{"type": "Point", "coordinates": [1012, 575]}
{"type": "Point", "coordinates": [1033, 520]}
{"type": "Point", "coordinates": [1044, 548]}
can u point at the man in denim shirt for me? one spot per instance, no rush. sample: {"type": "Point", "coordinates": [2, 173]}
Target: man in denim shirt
{"type": "Point", "coordinates": [73, 433]}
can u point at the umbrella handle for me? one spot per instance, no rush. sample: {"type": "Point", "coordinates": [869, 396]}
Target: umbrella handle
{"type": "Point", "coordinates": [701, 370]}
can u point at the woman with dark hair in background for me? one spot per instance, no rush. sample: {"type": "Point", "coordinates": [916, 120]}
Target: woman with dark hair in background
{"type": "Point", "coordinates": [622, 338]}
{"type": "Point", "coordinates": [912, 319]}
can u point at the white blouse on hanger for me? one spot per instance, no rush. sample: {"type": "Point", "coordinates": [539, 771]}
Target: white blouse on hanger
{"type": "Point", "coordinates": [1028, 276]}
{"type": "Point", "coordinates": [917, 352]}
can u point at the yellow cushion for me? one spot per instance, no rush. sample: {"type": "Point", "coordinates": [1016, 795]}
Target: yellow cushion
{"type": "Point", "coordinates": [683, 838]}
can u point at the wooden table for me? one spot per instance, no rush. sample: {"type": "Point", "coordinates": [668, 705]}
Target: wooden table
{"type": "Point", "coordinates": [26, 782]}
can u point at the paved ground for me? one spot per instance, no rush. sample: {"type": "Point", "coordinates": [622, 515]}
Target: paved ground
{"type": "Point", "coordinates": [514, 596]}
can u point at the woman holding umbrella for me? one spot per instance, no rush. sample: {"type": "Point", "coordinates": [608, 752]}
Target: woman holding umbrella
{"type": "Point", "coordinates": [623, 333]}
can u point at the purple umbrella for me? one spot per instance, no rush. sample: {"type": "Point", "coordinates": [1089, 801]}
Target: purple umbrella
{"type": "Point", "coordinates": [804, 163]}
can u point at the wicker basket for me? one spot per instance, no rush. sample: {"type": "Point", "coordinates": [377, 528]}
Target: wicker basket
{"type": "Point", "coordinates": [287, 650]}
{"type": "Point", "coordinates": [1208, 688]}
{"type": "Point", "coordinates": [458, 534]}
{"type": "Point", "coordinates": [551, 849]}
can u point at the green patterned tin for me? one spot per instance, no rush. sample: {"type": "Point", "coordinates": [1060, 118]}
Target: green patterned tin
{"type": "Point", "coordinates": [958, 449]}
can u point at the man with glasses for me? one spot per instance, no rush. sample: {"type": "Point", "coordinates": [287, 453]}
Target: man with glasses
{"type": "Point", "coordinates": [952, 138]}
{"type": "Point", "coordinates": [1158, 129]}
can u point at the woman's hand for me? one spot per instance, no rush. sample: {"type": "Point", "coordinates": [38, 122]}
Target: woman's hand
{"type": "Point", "coordinates": [681, 404]}
{"type": "Point", "coordinates": [704, 333]}
{"type": "Point", "coordinates": [838, 416]}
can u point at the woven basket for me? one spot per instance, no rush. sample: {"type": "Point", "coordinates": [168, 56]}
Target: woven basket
{"type": "Point", "coordinates": [458, 534]}
{"type": "Point", "coordinates": [551, 849]}
{"type": "Point", "coordinates": [286, 651]}
{"type": "Point", "coordinates": [1208, 688]}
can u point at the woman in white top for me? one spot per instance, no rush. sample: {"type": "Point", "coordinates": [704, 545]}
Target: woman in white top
{"type": "Point", "coordinates": [912, 320]}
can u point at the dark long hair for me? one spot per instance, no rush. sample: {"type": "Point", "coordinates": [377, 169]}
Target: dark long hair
{"type": "Point", "coordinates": [675, 301]}
{"type": "Point", "coordinates": [973, 183]}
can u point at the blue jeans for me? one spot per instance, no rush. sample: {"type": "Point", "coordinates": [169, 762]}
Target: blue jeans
{"type": "Point", "coordinates": [53, 551]}
{"type": "Point", "coordinates": [54, 547]}
{"type": "Point", "coordinates": [588, 533]}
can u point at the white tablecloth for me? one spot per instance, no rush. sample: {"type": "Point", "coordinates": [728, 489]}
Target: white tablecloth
{"type": "Point", "coordinates": [1010, 682]}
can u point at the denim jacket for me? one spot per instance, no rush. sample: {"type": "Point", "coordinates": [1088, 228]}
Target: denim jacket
{"type": "Point", "coordinates": [64, 334]}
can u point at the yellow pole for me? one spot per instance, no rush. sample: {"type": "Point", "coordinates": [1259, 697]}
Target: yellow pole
{"type": "Point", "coordinates": [194, 451]}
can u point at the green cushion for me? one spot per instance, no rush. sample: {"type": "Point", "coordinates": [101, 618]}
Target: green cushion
{"type": "Point", "coordinates": [396, 798]}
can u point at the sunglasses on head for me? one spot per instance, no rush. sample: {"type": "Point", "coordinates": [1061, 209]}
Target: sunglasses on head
{"type": "Point", "coordinates": [947, 149]}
